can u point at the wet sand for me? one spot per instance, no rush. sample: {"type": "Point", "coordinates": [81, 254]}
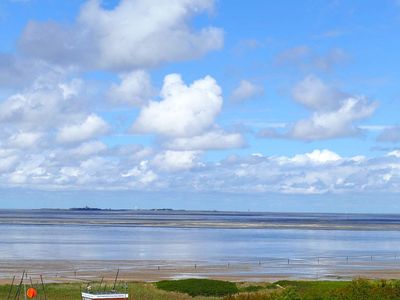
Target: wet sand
{"type": "Point", "coordinates": [149, 271]}
{"type": "Point", "coordinates": [311, 268]}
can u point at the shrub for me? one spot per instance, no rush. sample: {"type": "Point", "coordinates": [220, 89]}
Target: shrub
{"type": "Point", "coordinates": [199, 287]}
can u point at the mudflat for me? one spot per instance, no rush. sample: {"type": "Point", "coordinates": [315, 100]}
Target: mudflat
{"type": "Point", "coordinates": [149, 271]}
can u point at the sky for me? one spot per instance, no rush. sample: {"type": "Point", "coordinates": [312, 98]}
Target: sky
{"type": "Point", "coordinates": [200, 104]}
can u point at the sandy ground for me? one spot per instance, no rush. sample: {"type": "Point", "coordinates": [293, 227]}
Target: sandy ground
{"type": "Point", "coordinates": [86, 271]}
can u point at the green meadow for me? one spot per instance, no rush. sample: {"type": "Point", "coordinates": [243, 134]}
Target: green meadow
{"type": "Point", "coordinates": [204, 289]}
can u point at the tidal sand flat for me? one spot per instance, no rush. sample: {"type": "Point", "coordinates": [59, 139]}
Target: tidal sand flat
{"type": "Point", "coordinates": [154, 245]}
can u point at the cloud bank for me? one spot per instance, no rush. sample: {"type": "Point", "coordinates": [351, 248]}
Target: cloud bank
{"type": "Point", "coordinates": [134, 34]}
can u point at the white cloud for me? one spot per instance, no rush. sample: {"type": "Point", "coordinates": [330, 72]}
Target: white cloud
{"type": "Point", "coordinates": [213, 140]}
{"type": "Point", "coordinates": [32, 170]}
{"type": "Point", "coordinates": [336, 123]}
{"type": "Point", "coordinates": [134, 89]}
{"type": "Point", "coordinates": [173, 161]}
{"type": "Point", "coordinates": [334, 113]}
{"type": "Point", "coordinates": [315, 94]}
{"type": "Point", "coordinates": [8, 163]}
{"type": "Point", "coordinates": [89, 148]}
{"type": "Point", "coordinates": [71, 89]}
{"type": "Point", "coordinates": [142, 173]}
{"type": "Point", "coordinates": [317, 156]}
{"type": "Point", "coordinates": [17, 71]}
{"type": "Point", "coordinates": [395, 153]}
{"type": "Point", "coordinates": [134, 34]}
{"type": "Point", "coordinates": [91, 127]}
{"type": "Point", "coordinates": [48, 102]}
{"type": "Point", "coordinates": [23, 140]}
{"type": "Point", "coordinates": [246, 90]}
{"type": "Point", "coordinates": [184, 111]}
{"type": "Point", "coordinates": [315, 172]}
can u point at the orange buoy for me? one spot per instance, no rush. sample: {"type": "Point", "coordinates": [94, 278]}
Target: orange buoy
{"type": "Point", "coordinates": [31, 293]}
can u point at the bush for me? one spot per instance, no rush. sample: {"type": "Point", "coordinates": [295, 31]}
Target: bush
{"type": "Point", "coordinates": [362, 289]}
{"type": "Point", "coordinates": [199, 287]}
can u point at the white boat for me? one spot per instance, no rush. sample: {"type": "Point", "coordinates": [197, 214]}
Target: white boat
{"type": "Point", "coordinates": [108, 296]}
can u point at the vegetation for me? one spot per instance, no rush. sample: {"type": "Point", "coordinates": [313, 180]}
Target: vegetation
{"type": "Point", "coordinates": [359, 289]}
{"type": "Point", "coordinates": [251, 288]}
{"type": "Point", "coordinates": [204, 289]}
{"type": "Point", "coordinates": [136, 290]}
{"type": "Point", "coordinates": [199, 287]}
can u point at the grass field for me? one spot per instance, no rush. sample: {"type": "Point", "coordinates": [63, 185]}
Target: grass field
{"type": "Point", "coordinates": [222, 290]}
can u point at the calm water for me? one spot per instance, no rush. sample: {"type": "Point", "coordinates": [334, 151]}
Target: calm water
{"type": "Point", "coordinates": [200, 244]}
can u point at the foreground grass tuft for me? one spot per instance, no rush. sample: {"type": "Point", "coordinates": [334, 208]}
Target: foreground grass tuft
{"type": "Point", "coordinates": [199, 287]}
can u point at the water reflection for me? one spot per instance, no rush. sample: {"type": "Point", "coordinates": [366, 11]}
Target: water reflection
{"type": "Point", "coordinates": [61, 242]}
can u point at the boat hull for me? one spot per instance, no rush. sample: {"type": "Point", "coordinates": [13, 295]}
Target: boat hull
{"type": "Point", "coordinates": [106, 296]}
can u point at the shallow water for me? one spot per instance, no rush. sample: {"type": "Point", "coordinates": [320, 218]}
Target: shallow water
{"type": "Point", "coordinates": [75, 242]}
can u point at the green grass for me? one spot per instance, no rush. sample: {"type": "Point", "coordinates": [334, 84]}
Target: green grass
{"type": "Point", "coordinates": [314, 287]}
{"type": "Point", "coordinates": [136, 290]}
{"type": "Point", "coordinates": [204, 289]}
{"type": "Point", "coordinates": [251, 288]}
{"type": "Point", "coordinates": [199, 287]}
{"type": "Point", "coordinates": [53, 291]}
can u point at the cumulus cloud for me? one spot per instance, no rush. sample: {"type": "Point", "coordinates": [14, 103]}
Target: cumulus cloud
{"type": "Point", "coordinates": [185, 116]}
{"type": "Point", "coordinates": [213, 140]}
{"type": "Point", "coordinates": [46, 103]}
{"type": "Point", "coordinates": [93, 126]}
{"type": "Point", "coordinates": [315, 94]}
{"type": "Point", "coordinates": [142, 173]}
{"type": "Point", "coordinates": [28, 118]}
{"type": "Point", "coordinates": [246, 90]}
{"type": "Point", "coordinates": [134, 34]}
{"type": "Point", "coordinates": [316, 172]}
{"type": "Point", "coordinates": [336, 123]}
{"type": "Point", "coordinates": [184, 111]}
{"type": "Point", "coordinates": [176, 160]}
{"type": "Point", "coordinates": [134, 89]}
{"type": "Point", "coordinates": [334, 114]}
{"type": "Point", "coordinates": [316, 156]}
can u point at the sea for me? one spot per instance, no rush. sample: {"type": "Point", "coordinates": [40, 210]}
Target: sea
{"type": "Point", "coordinates": [194, 236]}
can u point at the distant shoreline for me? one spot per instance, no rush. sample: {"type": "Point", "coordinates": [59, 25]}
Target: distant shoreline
{"type": "Point", "coordinates": [199, 211]}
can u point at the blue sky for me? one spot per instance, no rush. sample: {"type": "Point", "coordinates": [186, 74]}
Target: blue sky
{"type": "Point", "coordinates": [231, 105]}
